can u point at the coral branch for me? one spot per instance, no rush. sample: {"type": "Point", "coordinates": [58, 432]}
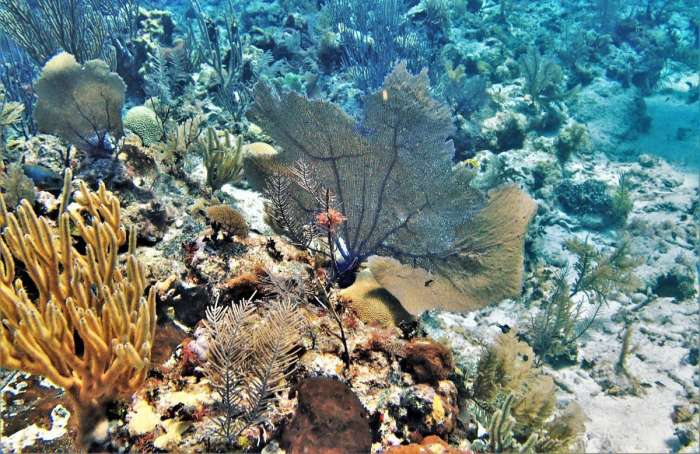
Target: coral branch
{"type": "Point", "coordinates": [89, 330]}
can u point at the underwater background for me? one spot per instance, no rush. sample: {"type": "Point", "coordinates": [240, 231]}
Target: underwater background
{"type": "Point", "coordinates": [348, 226]}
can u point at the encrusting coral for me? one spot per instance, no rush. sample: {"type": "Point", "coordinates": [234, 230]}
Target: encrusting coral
{"type": "Point", "coordinates": [329, 418]}
{"type": "Point", "coordinates": [427, 361]}
{"type": "Point", "coordinates": [88, 329]}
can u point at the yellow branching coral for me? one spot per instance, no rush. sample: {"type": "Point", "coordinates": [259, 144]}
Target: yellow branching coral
{"type": "Point", "coordinates": [504, 366]}
{"type": "Point", "coordinates": [223, 158]}
{"type": "Point", "coordinates": [79, 319]}
{"type": "Point", "coordinates": [523, 400]}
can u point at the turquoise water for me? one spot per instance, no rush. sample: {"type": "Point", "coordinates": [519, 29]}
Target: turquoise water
{"type": "Point", "coordinates": [349, 225]}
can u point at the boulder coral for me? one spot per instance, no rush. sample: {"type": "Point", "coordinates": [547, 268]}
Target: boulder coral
{"type": "Point", "coordinates": [226, 219]}
{"type": "Point", "coordinates": [372, 303]}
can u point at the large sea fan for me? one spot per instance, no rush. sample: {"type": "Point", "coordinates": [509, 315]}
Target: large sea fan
{"type": "Point", "coordinates": [393, 178]}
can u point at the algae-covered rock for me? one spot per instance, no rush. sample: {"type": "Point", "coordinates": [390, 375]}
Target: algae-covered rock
{"type": "Point", "coordinates": [429, 410]}
{"type": "Point", "coordinates": [678, 282]}
{"type": "Point", "coordinates": [427, 361]}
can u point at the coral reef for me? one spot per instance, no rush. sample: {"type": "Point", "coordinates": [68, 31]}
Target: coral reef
{"type": "Point", "coordinates": [678, 282]}
{"type": "Point", "coordinates": [427, 361]}
{"type": "Point", "coordinates": [572, 139]}
{"type": "Point", "coordinates": [371, 226]}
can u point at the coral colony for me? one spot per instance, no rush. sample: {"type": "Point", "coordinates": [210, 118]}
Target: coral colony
{"type": "Point", "coordinates": [349, 226]}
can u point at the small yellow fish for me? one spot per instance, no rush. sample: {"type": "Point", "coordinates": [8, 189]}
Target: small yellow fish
{"type": "Point", "coordinates": [472, 163]}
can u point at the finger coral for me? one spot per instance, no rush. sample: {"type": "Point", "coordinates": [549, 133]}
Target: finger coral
{"type": "Point", "coordinates": [76, 318]}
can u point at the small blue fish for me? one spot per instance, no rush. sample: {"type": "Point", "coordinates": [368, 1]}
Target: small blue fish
{"type": "Point", "coordinates": [101, 145]}
{"type": "Point", "coordinates": [363, 130]}
{"type": "Point", "coordinates": [43, 177]}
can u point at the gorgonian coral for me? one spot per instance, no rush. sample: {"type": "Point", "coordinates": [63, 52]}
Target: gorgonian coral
{"type": "Point", "coordinates": [392, 177]}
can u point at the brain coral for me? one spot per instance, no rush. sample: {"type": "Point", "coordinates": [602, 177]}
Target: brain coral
{"type": "Point", "coordinates": [227, 219]}
{"type": "Point", "coordinates": [143, 122]}
{"type": "Point", "coordinates": [372, 303]}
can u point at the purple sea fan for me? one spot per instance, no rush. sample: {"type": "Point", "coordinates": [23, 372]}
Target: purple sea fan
{"type": "Point", "coordinates": [397, 186]}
